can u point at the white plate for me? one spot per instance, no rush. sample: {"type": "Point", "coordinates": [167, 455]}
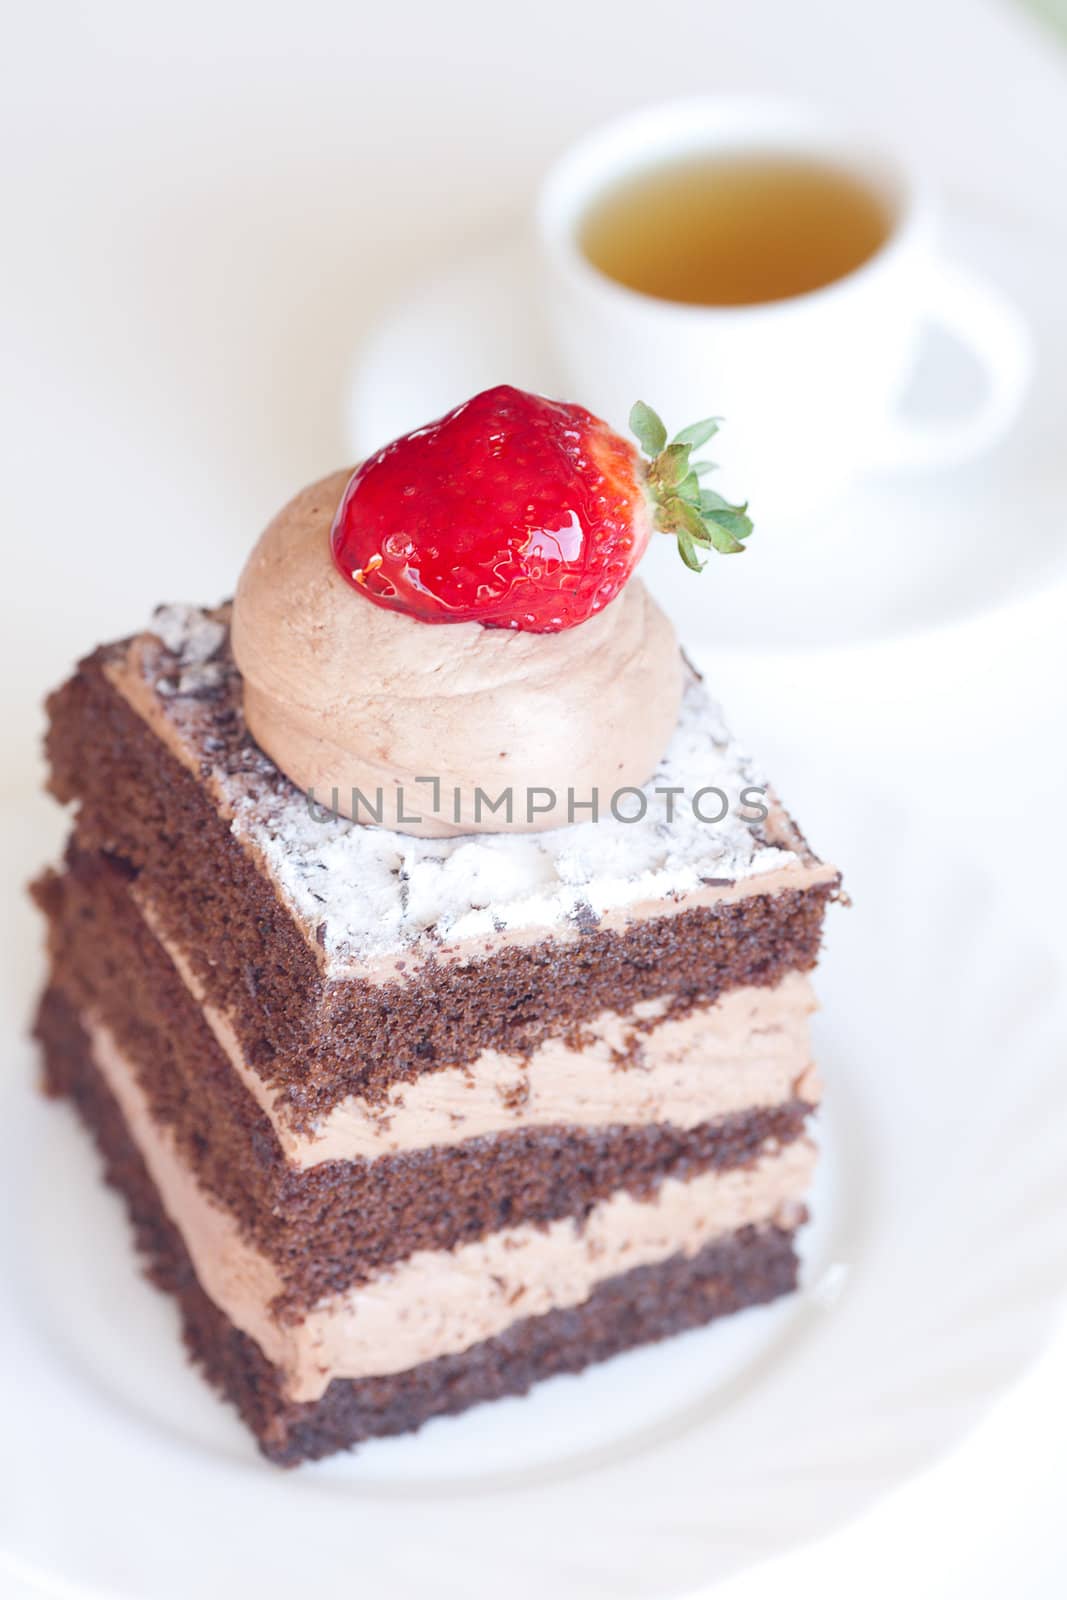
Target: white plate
{"type": "Point", "coordinates": [932, 1276]}
{"type": "Point", "coordinates": [898, 554]}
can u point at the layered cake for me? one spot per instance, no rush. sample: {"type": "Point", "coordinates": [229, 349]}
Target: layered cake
{"type": "Point", "coordinates": [428, 961]}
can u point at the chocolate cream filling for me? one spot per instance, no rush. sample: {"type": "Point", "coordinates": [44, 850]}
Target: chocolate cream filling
{"type": "Point", "coordinates": [750, 1049]}
{"type": "Point", "coordinates": [336, 1222]}
{"type": "Point", "coordinates": [436, 1303]}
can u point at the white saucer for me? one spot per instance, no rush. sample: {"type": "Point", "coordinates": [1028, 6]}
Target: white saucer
{"type": "Point", "coordinates": [932, 1276]}
{"type": "Point", "coordinates": [900, 554]}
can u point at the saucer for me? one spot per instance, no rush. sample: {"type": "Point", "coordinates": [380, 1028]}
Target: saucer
{"type": "Point", "coordinates": [900, 554]}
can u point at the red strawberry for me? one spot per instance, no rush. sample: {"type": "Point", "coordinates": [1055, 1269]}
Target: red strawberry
{"type": "Point", "coordinates": [520, 512]}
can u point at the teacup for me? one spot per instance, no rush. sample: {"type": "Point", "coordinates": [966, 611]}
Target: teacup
{"type": "Point", "coordinates": [809, 385]}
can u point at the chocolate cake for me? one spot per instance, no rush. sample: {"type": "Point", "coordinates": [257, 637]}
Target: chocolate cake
{"type": "Point", "coordinates": [408, 1120]}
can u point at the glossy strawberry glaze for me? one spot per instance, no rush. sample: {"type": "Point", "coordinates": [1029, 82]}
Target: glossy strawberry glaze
{"type": "Point", "coordinates": [512, 511]}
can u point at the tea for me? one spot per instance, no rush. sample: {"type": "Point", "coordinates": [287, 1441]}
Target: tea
{"type": "Point", "coordinates": [728, 230]}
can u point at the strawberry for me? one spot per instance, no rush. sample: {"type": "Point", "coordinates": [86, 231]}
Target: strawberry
{"type": "Point", "coordinates": [520, 512]}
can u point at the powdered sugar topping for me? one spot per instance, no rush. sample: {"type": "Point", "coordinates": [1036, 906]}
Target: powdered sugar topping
{"type": "Point", "coordinates": [367, 893]}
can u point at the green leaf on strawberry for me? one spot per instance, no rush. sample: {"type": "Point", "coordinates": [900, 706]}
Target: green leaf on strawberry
{"type": "Point", "coordinates": [699, 518]}
{"type": "Point", "coordinates": [698, 433]}
{"type": "Point", "coordinates": [647, 428]}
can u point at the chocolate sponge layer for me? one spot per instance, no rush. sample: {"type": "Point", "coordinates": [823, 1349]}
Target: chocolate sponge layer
{"type": "Point", "coordinates": [650, 1303]}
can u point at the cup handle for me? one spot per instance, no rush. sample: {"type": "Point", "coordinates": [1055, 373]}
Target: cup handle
{"type": "Point", "coordinates": [985, 322]}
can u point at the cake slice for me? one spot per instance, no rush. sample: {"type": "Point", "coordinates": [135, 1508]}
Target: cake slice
{"type": "Point", "coordinates": [407, 1120]}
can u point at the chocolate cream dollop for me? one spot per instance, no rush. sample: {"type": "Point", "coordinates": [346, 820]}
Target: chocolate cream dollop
{"type": "Point", "coordinates": [345, 696]}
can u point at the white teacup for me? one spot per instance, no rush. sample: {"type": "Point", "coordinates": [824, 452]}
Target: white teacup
{"type": "Point", "coordinates": [809, 387]}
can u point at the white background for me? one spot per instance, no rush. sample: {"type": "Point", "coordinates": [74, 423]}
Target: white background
{"type": "Point", "coordinates": [206, 208]}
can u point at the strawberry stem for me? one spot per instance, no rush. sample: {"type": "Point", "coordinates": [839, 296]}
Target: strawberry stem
{"type": "Point", "coordinates": [699, 519]}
